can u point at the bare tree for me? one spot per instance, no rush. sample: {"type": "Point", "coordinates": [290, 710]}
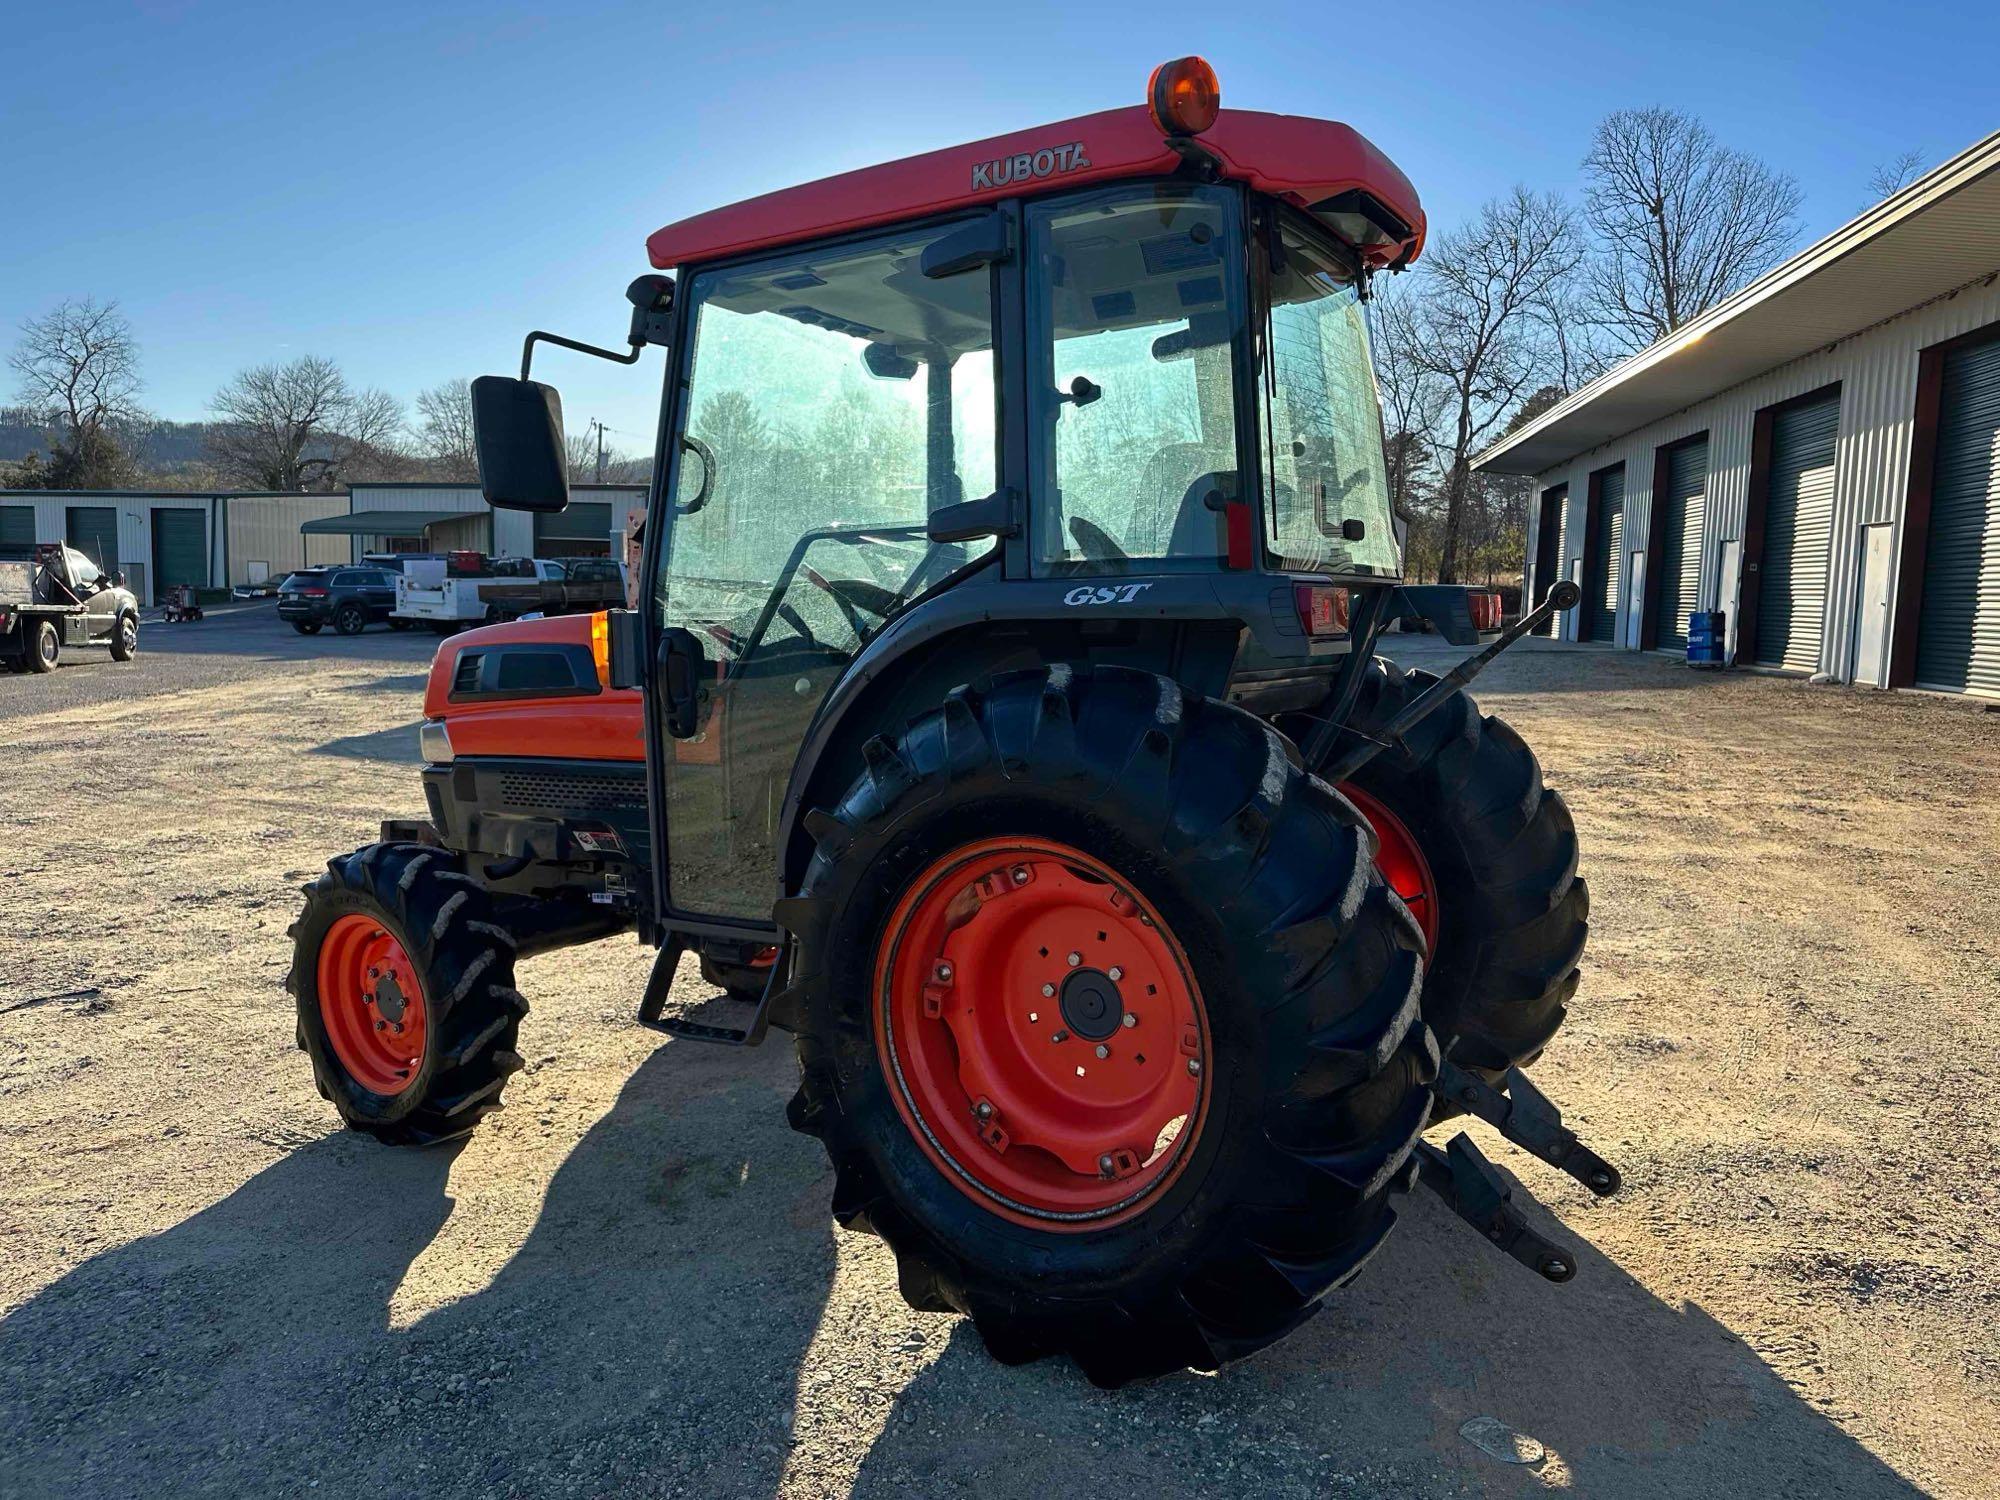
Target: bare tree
{"type": "Point", "coordinates": [444, 413]}
{"type": "Point", "coordinates": [79, 374]}
{"type": "Point", "coordinates": [1414, 396]}
{"type": "Point", "coordinates": [1681, 221]}
{"type": "Point", "coordinates": [1479, 327]}
{"type": "Point", "coordinates": [1895, 174]}
{"type": "Point", "coordinates": [79, 365]}
{"type": "Point", "coordinates": [301, 426]}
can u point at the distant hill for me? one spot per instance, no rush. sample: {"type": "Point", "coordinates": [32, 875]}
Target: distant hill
{"type": "Point", "coordinates": [158, 446]}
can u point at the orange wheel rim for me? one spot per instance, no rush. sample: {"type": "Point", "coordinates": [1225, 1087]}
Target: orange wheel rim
{"type": "Point", "coordinates": [1042, 1033]}
{"type": "Point", "coordinates": [372, 1005]}
{"type": "Point", "coordinates": [1401, 860]}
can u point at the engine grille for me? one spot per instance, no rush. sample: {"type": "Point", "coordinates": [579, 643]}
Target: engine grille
{"type": "Point", "coordinates": [572, 791]}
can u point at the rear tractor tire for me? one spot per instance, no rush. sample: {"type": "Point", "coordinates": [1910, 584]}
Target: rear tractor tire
{"type": "Point", "coordinates": [1487, 857]}
{"type": "Point", "coordinates": [405, 991]}
{"type": "Point", "coordinates": [1107, 1022]}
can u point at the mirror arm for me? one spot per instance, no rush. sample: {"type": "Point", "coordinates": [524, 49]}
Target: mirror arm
{"type": "Point", "coordinates": [631, 357]}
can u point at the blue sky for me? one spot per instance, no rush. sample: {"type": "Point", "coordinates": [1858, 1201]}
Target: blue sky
{"type": "Point", "coordinates": [409, 188]}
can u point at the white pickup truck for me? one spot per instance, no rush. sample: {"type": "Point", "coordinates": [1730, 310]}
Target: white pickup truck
{"type": "Point", "coordinates": [448, 597]}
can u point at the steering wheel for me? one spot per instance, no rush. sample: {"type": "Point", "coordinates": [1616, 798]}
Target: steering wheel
{"type": "Point", "coordinates": [1098, 544]}
{"type": "Point", "coordinates": [790, 615]}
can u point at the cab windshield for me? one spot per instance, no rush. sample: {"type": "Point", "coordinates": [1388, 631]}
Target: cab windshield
{"type": "Point", "coordinates": [1326, 487]}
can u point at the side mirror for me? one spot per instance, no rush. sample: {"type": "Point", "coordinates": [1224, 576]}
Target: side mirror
{"type": "Point", "coordinates": [518, 433]}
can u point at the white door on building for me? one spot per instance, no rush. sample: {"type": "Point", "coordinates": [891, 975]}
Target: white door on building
{"type": "Point", "coordinates": [1635, 598]}
{"type": "Point", "coordinates": [1871, 608]}
{"type": "Point", "coordinates": [1728, 591]}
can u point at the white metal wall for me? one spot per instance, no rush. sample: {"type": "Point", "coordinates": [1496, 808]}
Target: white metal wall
{"type": "Point", "coordinates": [265, 529]}
{"type": "Point", "coordinates": [1877, 374]}
{"type": "Point", "coordinates": [135, 526]}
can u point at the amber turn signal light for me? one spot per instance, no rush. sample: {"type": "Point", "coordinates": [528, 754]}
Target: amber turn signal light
{"type": "Point", "coordinates": [1183, 96]}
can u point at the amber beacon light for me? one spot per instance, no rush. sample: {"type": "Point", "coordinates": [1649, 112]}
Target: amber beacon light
{"type": "Point", "coordinates": [1184, 96]}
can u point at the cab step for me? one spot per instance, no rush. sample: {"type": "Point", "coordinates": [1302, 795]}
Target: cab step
{"type": "Point", "coordinates": [653, 1004]}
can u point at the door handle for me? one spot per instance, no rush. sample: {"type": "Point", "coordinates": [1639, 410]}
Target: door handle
{"type": "Point", "coordinates": [681, 663]}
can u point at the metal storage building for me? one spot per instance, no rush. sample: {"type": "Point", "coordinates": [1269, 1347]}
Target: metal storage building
{"type": "Point", "coordinates": [1818, 456]}
{"type": "Point", "coordinates": [444, 517]}
{"type": "Point", "coordinates": [157, 538]}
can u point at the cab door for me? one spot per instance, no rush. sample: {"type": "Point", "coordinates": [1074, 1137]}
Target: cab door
{"type": "Point", "coordinates": [828, 400]}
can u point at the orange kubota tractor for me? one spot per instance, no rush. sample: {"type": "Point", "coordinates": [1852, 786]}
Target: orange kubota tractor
{"type": "Point", "coordinates": [1000, 718]}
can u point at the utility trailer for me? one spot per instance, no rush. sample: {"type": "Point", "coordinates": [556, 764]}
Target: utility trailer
{"type": "Point", "coordinates": [63, 599]}
{"type": "Point", "coordinates": [1005, 671]}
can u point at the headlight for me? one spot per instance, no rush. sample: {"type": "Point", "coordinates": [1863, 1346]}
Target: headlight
{"type": "Point", "coordinates": [434, 740]}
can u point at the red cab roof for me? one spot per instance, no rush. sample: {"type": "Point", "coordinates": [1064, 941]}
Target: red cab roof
{"type": "Point", "coordinates": [1303, 161]}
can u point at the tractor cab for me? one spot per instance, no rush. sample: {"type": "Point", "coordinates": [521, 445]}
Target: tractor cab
{"type": "Point", "coordinates": [1100, 391]}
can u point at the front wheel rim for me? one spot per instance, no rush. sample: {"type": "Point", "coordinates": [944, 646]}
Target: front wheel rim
{"type": "Point", "coordinates": [372, 1004]}
{"type": "Point", "coordinates": [1042, 1034]}
{"type": "Point", "coordinates": [1401, 860]}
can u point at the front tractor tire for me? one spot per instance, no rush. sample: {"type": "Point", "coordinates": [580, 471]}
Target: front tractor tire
{"type": "Point", "coordinates": [1488, 857]}
{"type": "Point", "coordinates": [1107, 1022]}
{"type": "Point", "coordinates": [405, 990]}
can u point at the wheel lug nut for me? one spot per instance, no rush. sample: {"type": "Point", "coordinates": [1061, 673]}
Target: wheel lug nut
{"type": "Point", "coordinates": [1060, 1036]}
{"type": "Point", "coordinates": [983, 1110]}
{"type": "Point", "coordinates": [1048, 991]}
{"type": "Point", "coordinates": [1194, 1066]}
{"type": "Point", "coordinates": [1130, 1020]}
{"type": "Point", "coordinates": [1116, 973]}
{"type": "Point", "coordinates": [943, 971]}
{"type": "Point", "coordinates": [399, 1028]}
{"type": "Point", "coordinates": [1020, 873]}
{"type": "Point", "coordinates": [1075, 959]}
{"type": "Point", "coordinates": [1102, 1050]}
{"type": "Point", "coordinates": [1104, 1165]}
{"type": "Point", "coordinates": [381, 1025]}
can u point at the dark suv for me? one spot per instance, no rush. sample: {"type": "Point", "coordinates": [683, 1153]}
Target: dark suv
{"type": "Point", "coordinates": [346, 598]}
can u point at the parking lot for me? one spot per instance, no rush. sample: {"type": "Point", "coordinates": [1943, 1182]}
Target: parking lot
{"type": "Point", "coordinates": [628, 1282]}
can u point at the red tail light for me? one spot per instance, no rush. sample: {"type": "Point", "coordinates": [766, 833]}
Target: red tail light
{"type": "Point", "coordinates": [1322, 608]}
{"type": "Point", "coordinates": [313, 593]}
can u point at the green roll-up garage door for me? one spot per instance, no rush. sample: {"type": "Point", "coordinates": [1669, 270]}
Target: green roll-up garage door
{"type": "Point", "coordinates": [1679, 519]}
{"type": "Point", "coordinates": [17, 533]}
{"type": "Point", "coordinates": [93, 531]}
{"type": "Point", "coordinates": [1958, 638]}
{"type": "Point", "coordinates": [1600, 587]}
{"type": "Point", "coordinates": [180, 548]}
{"type": "Point", "coordinates": [582, 528]}
{"type": "Point", "coordinates": [1798, 536]}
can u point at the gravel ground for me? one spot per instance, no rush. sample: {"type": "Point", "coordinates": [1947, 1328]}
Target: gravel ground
{"type": "Point", "coordinates": [627, 1282]}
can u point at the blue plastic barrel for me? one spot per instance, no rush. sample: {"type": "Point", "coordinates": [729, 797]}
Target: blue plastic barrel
{"type": "Point", "coordinates": [1705, 638]}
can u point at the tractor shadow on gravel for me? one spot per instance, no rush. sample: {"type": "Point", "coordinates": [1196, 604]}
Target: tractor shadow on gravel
{"type": "Point", "coordinates": [648, 1336]}
{"type": "Point", "coordinates": [1631, 1397]}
